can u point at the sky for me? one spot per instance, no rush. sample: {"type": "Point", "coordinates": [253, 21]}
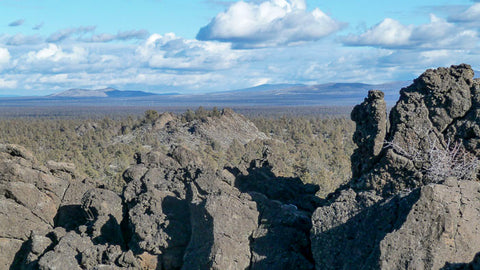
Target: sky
{"type": "Point", "coordinates": [198, 46]}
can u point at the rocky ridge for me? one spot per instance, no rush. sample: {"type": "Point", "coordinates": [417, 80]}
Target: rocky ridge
{"type": "Point", "coordinates": [176, 211]}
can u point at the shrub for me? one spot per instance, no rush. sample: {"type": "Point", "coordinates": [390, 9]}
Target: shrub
{"type": "Point", "coordinates": [439, 162]}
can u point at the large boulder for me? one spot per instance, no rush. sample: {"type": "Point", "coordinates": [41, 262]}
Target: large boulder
{"type": "Point", "coordinates": [183, 214]}
{"type": "Point", "coordinates": [29, 199]}
{"type": "Point", "coordinates": [424, 229]}
{"type": "Point", "coordinates": [158, 209]}
{"type": "Point", "coordinates": [97, 242]}
{"type": "Point", "coordinates": [222, 223]}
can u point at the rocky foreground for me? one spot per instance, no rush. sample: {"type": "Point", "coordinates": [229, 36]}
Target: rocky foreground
{"type": "Point", "coordinates": [405, 208]}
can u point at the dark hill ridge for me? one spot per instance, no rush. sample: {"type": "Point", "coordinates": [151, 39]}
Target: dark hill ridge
{"type": "Point", "coordinates": [106, 92]}
{"type": "Point", "coordinates": [337, 94]}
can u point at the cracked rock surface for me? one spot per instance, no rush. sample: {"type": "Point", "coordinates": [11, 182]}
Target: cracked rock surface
{"type": "Point", "coordinates": [194, 218]}
{"type": "Point", "coordinates": [29, 199]}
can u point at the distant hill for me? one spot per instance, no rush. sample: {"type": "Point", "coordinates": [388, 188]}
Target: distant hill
{"type": "Point", "coordinates": [267, 95]}
{"type": "Point", "coordinates": [333, 94]}
{"type": "Point", "coordinates": [106, 92]}
{"type": "Point", "coordinates": [262, 87]}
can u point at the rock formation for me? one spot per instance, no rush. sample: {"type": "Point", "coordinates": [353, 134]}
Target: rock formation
{"type": "Point", "coordinates": [175, 212]}
{"type": "Point", "coordinates": [371, 120]}
{"type": "Point", "coordinates": [408, 206]}
{"type": "Point", "coordinates": [29, 199]}
{"type": "Point", "coordinates": [439, 107]}
{"type": "Point", "coordinates": [193, 218]}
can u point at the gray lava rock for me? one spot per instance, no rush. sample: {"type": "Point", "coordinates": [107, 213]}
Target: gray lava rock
{"type": "Point", "coordinates": [105, 209]}
{"type": "Point", "coordinates": [440, 106]}
{"type": "Point", "coordinates": [158, 210]}
{"type": "Point", "coordinates": [424, 229]}
{"type": "Point", "coordinates": [221, 229]}
{"type": "Point", "coordinates": [29, 199]}
{"type": "Point", "coordinates": [393, 215]}
{"type": "Point", "coordinates": [371, 120]}
{"type": "Point", "coordinates": [185, 215]}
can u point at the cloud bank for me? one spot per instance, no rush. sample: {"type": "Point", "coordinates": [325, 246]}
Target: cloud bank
{"type": "Point", "coordinates": [176, 53]}
{"type": "Point", "coordinates": [246, 45]}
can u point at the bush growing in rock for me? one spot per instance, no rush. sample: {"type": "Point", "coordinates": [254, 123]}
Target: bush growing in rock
{"type": "Point", "coordinates": [439, 162]}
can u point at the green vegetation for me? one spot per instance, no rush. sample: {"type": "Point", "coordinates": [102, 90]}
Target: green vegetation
{"type": "Point", "coordinates": [315, 148]}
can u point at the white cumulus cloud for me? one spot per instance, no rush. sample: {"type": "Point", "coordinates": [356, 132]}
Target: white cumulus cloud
{"type": "Point", "coordinates": [437, 34]}
{"type": "Point", "coordinates": [387, 33]}
{"type": "Point", "coordinates": [470, 15]}
{"type": "Point", "coordinates": [7, 84]}
{"type": "Point", "coordinates": [4, 57]}
{"type": "Point", "coordinates": [172, 52]}
{"type": "Point", "coordinates": [267, 24]}
{"type": "Point", "coordinates": [54, 53]}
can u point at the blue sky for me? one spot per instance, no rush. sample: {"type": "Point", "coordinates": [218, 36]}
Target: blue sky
{"type": "Point", "coordinates": [214, 45]}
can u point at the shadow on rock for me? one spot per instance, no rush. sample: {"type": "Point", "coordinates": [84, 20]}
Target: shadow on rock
{"type": "Point", "coordinates": [282, 239]}
{"type": "Point", "coordinates": [20, 256]}
{"type": "Point", "coordinates": [347, 235]}
{"type": "Point", "coordinates": [199, 251]}
{"type": "Point", "coordinates": [70, 217]}
{"type": "Point", "coordinates": [110, 233]}
{"type": "Point", "coordinates": [475, 264]}
{"type": "Point", "coordinates": [178, 229]}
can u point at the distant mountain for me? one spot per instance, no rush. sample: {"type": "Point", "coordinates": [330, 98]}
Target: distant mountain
{"type": "Point", "coordinates": [263, 87]}
{"type": "Point", "coordinates": [107, 92]}
{"type": "Point", "coordinates": [267, 95]}
{"type": "Point", "coordinates": [298, 94]}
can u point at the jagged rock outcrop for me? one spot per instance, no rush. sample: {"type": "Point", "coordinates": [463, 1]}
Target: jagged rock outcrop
{"type": "Point", "coordinates": [406, 208]}
{"type": "Point", "coordinates": [178, 212]}
{"type": "Point", "coordinates": [423, 229]}
{"type": "Point", "coordinates": [97, 244]}
{"type": "Point", "coordinates": [191, 217]}
{"type": "Point", "coordinates": [29, 198]}
{"type": "Point", "coordinates": [50, 220]}
{"type": "Point", "coordinates": [222, 130]}
{"type": "Point", "coordinates": [371, 119]}
{"type": "Point", "coordinates": [440, 106]}
{"type": "Point", "coordinates": [228, 127]}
